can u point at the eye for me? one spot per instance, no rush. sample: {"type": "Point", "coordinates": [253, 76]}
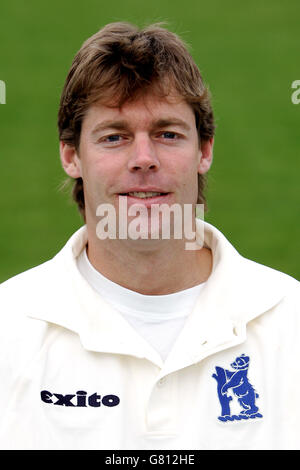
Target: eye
{"type": "Point", "coordinates": [169, 135]}
{"type": "Point", "coordinates": [113, 138]}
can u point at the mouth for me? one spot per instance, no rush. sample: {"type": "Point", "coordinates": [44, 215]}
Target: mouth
{"type": "Point", "coordinates": [147, 198]}
{"type": "Point", "coordinates": [144, 194]}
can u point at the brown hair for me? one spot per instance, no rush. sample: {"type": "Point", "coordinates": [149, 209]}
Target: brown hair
{"type": "Point", "coordinates": [121, 62]}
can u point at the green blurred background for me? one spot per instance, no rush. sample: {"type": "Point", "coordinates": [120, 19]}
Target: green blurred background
{"type": "Point", "coordinates": [248, 53]}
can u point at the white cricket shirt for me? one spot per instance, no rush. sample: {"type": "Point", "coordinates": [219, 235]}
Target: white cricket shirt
{"type": "Point", "coordinates": [76, 375]}
{"type": "Point", "coordinates": [158, 318]}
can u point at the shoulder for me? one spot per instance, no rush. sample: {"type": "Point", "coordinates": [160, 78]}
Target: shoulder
{"type": "Point", "coordinates": [273, 302]}
{"type": "Point", "coordinates": [268, 285]}
{"type": "Point", "coordinates": [245, 287]}
{"type": "Point", "coordinates": [43, 280]}
{"type": "Point", "coordinates": [268, 274]}
{"type": "Point", "coordinates": [21, 293]}
{"type": "Point", "coordinates": [19, 287]}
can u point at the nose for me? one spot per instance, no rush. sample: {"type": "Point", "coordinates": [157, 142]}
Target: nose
{"type": "Point", "coordinates": [143, 157]}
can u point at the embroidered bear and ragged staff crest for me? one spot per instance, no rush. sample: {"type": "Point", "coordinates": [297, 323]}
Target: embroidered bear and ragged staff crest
{"type": "Point", "coordinates": [236, 381]}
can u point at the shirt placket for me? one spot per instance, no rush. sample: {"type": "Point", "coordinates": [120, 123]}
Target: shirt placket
{"type": "Point", "coordinates": [162, 406]}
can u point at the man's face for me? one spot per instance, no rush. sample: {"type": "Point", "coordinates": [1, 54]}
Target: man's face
{"type": "Point", "coordinates": [148, 150]}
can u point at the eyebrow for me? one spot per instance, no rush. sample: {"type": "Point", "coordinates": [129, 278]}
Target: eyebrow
{"type": "Point", "coordinates": [118, 125]}
{"type": "Point", "coordinates": [172, 122]}
{"type": "Point", "coordinates": [121, 124]}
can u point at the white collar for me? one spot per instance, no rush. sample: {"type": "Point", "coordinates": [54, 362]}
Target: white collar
{"type": "Point", "coordinates": [154, 307]}
{"type": "Point", "coordinates": [237, 291]}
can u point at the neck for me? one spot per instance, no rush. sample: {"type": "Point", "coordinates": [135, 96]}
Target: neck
{"type": "Point", "coordinates": [156, 268]}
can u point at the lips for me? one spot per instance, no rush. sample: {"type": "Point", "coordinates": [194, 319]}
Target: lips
{"type": "Point", "coordinates": [144, 194]}
{"type": "Point", "coordinates": [147, 197]}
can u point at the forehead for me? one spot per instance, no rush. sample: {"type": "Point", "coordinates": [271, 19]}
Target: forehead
{"type": "Point", "coordinates": [146, 110]}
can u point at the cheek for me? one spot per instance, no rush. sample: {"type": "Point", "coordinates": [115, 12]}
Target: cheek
{"type": "Point", "coordinates": [100, 174]}
{"type": "Point", "coordinates": [187, 168]}
{"type": "Point", "coordinates": [92, 164]}
{"type": "Point", "coordinates": [183, 161]}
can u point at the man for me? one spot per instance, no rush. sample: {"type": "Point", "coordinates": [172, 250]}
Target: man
{"type": "Point", "coordinates": [137, 342]}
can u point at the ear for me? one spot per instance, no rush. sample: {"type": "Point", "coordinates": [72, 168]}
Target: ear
{"type": "Point", "coordinates": [70, 160]}
{"type": "Point", "coordinates": [206, 156]}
